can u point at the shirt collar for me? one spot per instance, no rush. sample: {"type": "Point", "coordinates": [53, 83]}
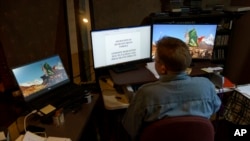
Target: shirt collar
{"type": "Point", "coordinates": [174, 76]}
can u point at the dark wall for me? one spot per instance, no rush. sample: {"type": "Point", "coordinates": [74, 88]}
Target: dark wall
{"type": "Point", "coordinates": [119, 13]}
{"type": "Point", "coordinates": [33, 29]}
{"type": "Point", "coordinates": [240, 2]}
{"type": "Point", "coordinates": [238, 64]}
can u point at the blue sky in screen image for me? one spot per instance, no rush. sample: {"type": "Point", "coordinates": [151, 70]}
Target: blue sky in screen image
{"type": "Point", "coordinates": [34, 71]}
{"type": "Point", "coordinates": [179, 31]}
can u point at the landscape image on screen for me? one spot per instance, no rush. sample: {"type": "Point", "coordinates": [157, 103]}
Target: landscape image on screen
{"type": "Point", "coordinates": [199, 38]}
{"type": "Point", "coordinates": [40, 75]}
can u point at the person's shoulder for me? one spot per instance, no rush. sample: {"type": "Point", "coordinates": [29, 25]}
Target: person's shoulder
{"type": "Point", "coordinates": [200, 79]}
{"type": "Point", "coordinates": [148, 87]}
{"type": "Point", "coordinates": [150, 84]}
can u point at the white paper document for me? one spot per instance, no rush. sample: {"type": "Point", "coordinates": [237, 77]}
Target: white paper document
{"type": "Point", "coordinates": [212, 69]}
{"type": "Point", "coordinates": [29, 136]}
{"type": "Point", "coordinates": [244, 90]}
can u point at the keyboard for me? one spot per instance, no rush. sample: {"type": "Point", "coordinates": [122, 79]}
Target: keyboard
{"type": "Point", "coordinates": [62, 97]}
{"type": "Point", "coordinates": [69, 96]}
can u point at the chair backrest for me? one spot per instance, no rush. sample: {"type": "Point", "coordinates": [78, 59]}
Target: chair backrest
{"type": "Point", "coordinates": [183, 128]}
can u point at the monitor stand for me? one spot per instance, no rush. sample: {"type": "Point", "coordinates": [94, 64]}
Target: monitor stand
{"type": "Point", "coordinates": [124, 68]}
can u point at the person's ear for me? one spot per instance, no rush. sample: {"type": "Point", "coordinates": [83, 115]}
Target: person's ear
{"type": "Point", "coordinates": [163, 69]}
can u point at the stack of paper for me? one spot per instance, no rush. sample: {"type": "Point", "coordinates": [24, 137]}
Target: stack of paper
{"type": "Point", "coordinates": [244, 90]}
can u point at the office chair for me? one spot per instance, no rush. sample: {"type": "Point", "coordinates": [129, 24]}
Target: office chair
{"type": "Point", "coordinates": [183, 128]}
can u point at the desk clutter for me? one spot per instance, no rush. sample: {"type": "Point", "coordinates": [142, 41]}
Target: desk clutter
{"type": "Point", "coordinates": [69, 124]}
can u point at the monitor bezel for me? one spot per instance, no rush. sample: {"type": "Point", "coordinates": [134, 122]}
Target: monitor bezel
{"type": "Point", "coordinates": [138, 61]}
{"type": "Point", "coordinates": [194, 59]}
{"type": "Point", "coordinates": [43, 92]}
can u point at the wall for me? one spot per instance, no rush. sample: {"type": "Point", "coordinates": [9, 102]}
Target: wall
{"type": "Point", "coordinates": [31, 30]}
{"type": "Point", "coordinates": [238, 56]}
{"type": "Point", "coordinates": [119, 13]}
{"type": "Point", "coordinates": [238, 64]}
{"type": "Point", "coordinates": [240, 2]}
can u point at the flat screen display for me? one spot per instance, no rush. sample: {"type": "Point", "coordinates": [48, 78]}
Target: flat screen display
{"type": "Point", "coordinates": [121, 45]}
{"type": "Point", "coordinates": [199, 37]}
{"type": "Point", "coordinates": [37, 78]}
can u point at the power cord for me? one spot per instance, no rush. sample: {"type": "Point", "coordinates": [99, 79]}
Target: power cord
{"type": "Point", "coordinates": [25, 118]}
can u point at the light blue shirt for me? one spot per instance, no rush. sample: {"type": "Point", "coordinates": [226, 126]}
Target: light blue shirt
{"type": "Point", "coordinates": [172, 95]}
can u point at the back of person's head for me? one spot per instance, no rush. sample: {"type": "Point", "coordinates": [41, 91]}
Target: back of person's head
{"type": "Point", "coordinates": [173, 53]}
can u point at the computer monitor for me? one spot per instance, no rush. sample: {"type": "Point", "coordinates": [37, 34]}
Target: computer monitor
{"type": "Point", "coordinates": [199, 37]}
{"type": "Point", "coordinates": [119, 46]}
{"type": "Point", "coordinates": [37, 78]}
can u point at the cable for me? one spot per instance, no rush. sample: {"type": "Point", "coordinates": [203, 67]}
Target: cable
{"type": "Point", "coordinates": [25, 118]}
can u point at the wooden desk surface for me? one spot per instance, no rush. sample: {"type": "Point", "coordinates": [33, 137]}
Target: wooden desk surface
{"type": "Point", "coordinates": [74, 122]}
{"type": "Point", "coordinates": [73, 128]}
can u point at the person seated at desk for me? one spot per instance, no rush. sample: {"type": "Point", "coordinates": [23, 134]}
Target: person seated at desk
{"type": "Point", "coordinates": [174, 94]}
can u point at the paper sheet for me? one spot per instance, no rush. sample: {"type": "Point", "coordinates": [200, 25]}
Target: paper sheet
{"type": "Point", "coordinates": [29, 136]}
{"type": "Point", "coordinates": [244, 89]}
{"type": "Point", "coordinates": [58, 139]}
{"type": "Point", "coordinates": [47, 109]}
{"type": "Point", "coordinates": [2, 136]}
{"type": "Point", "coordinates": [212, 69]}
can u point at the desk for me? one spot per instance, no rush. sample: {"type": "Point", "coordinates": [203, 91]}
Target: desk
{"type": "Point", "coordinates": [143, 75]}
{"type": "Point", "coordinates": [75, 123]}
